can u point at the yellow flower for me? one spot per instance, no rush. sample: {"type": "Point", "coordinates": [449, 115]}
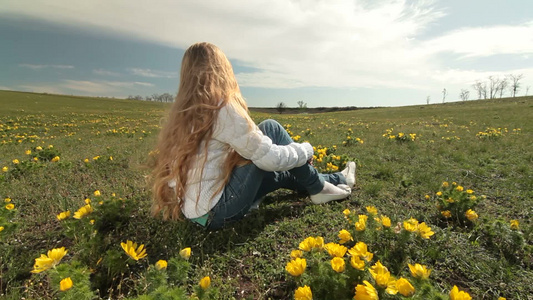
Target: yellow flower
{"type": "Point", "coordinates": [296, 254]}
{"type": "Point", "coordinates": [459, 188]}
{"type": "Point", "coordinates": [63, 215]}
{"type": "Point", "coordinates": [425, 231]}
{"type": "Point", "coordinates": [360, 250]}
{"type": "Point", "coordinates": [50, 146]}
{"type": "Point", "coordinates": [16, 161]}
{"type": "Point", "coordinates": [471, 215]}
{"type": "Point", "coordinates": [65, 284]}
{"type": "Point", "coordinates": [427, 197]}
{"type": "Point", "coordinates": [335, 250]}
{"type": "Point", "coordinates": [404, 287]}
{"type": "Point", "coordinates": [502, 298]}
{"type": "Point", "coordinates": [365, 292]}
{"type": "Point", "coordinates": [7, 200]}
{"type": "Point", "coordinates": [381, 275]}
{"type": "Point", "coordinates": [55, 159]}
{"type": "Point", "coordinates": [346, 212]}
{"type": "Point", "coordinates": [411, 225]}
{"type": "Point", "coordinates": [5, 169]}
{"type": "Point", "coordinates": [28, 152]}
{"type": "Point", "coordinates": [296, 267]}
{"type": "Point", "coordinates": [87, 201]}
{"type": "Point", "coordinates": [2, 228]}
{"type": "Point", "coordinates": [45, 262]}
{"type": "Point", "coordinates": [161, 264]}
{"type": "Point", "coordinates": [469, 191]}
{"type": "Point", "coordinates": [357, 263]}
{"type": "Point", "coordinates": [83, 211]}
{"type": "Point", "coordinates": [360, 225]}
{"type": "Point", "coordinates": [337, 264]}
{"type": "Point", "coordinates": [446, 213]}
{"type": "Point", "coordinates": [515, 224]}
{"type": "Point", "coordinates": [205, 282]}
{"type": "Point", "coordinates": [455, 294]}
{"type": "Point", "coordinates": [439, 193]}
{"type": "Point", "coordinates": [385, 221]}
{"type": "Point", "coordinates": [97, 193]}
{"type": "Point", "coordinates": [35, 159]}
{"type": "Point", "coordinates": [419, 271]}
{"type": "Point", "coordinates": [132, 251]}
{"type": "Point", "coordinates": [303, 293]}
{"type": "Point", "coordinates": [372, 210]}
{"type": "Point", "coordinates": [39, 148]}
{"type": "Point", "coordinates": [185, 253]}
{"type": "Point", "coordinates": [10, 206]}
{"type": "Point", "coordinates": [345, 236]}
{"type": "Point", "coordinates": [311, 243]}
{"type": "Point", "coordinates": [91, 222]}
{"type": "Point", "coordinates": [86, 160]}
{"type": "Point", "coordinates": [445, 184]}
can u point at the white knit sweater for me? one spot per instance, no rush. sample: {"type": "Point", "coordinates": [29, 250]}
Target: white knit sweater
{"type": "Point", "coordinates": [233, 131]}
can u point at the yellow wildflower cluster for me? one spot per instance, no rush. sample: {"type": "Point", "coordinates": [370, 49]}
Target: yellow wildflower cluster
{"type": "Point", "coordinates": [349, 140]}
{"type": "Point", "coordinates": [401, 137]}
{"type": "Point", "coordinates": [491, 133]}
{"type": "Point", "coordinates": [454, 201]}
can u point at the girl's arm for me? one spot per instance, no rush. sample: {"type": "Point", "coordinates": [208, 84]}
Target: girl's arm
{"type": "Point", "coordinates": [252, 144]}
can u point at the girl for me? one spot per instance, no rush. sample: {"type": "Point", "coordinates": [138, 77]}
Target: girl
{"type": "Point", "coordinates": [214, 163]}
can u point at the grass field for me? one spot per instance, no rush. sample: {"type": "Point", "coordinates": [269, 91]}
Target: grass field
{"type": "Point", "coordinates": [104, 145]}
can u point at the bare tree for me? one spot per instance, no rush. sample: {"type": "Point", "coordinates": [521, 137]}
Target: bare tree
{"type": "Point", "coordinates": [302, 104]}
{"type": "Point", "coordinates": [166, 97]}
{"type": "Point", "coordinates": [444, 93]}
{"type": "Point", "coordinates": [503, 86]}
{"type": "Point", "coordinates": [465, 94]}
{"type": "Point", "coordinates": [494, 86]}
{"type": "Point", "coordinates": [515, 82]}
{"type": "Point", "coordinates": [481, 89]}
{"type": "Point", "coordinates": [527, 90]}
{"type": "Point", "coordinates": [428, 98]}
{"type": "Point", "coordinates": [281, 107]}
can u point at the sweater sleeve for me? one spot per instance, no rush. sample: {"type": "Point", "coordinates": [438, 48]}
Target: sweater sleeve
{"type": "Point", "coordinates": [248, 140]}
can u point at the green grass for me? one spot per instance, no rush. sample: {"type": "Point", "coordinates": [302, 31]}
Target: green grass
{"type": "Point", "coordinates": [248, 260]}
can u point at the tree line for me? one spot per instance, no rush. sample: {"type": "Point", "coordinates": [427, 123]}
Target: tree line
{"type": "Point", "coordinates": [166, 97]}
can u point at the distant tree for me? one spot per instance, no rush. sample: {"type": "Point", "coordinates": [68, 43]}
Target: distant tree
{"type": "Point", "coordinates": [465, 94]}
{"type": "Point", "coordinates": [155, 97]}
{"type": "Point", "coordinates": [166, 97]}
{"type": "Point", "coordinates": [148, 98]}
{"type": "Point", "coordinates": [138, 97]}
{"type": "Point", "coordinates": [503, 86]}
{"type": "Point", "coordinates": [281, 107]}
{"type": "Point", "coordinates": [302, 104]}
{"type": "Point", "coordinates": [428, 98]}
{"type": "Point", "coordinates": [527, 90]}
{"type": "Point", "coordinates": [515, 82]}
{"type": "Point", "coordinates": [494, 86]}
{"type": "Point", "coordinates": [444, 93]}
{"type": "Point", "coordinates": [478, 87]}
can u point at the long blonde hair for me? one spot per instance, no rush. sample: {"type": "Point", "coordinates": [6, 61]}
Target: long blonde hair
{"type": "Point", "coordinates": [207, 83]}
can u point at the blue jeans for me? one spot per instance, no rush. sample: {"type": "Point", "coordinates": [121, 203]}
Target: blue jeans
{"type": "Point", "coordinates": [248, 184]}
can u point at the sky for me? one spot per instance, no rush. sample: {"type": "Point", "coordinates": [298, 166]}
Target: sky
{"type": "Point", "coordinates": [324, 53]}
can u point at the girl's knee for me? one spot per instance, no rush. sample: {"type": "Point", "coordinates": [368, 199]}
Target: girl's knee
{"type": "Point", "coordinates": [269, 125]}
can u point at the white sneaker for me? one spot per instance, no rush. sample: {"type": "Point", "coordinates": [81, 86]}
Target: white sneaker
{"type": "Point", "coordinates": [349, 173]}
{"type": "Point", "coordinates": [330, 193]}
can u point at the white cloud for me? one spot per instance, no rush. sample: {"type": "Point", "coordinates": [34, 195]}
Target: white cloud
{"type": "Point", "coordinates": [152, 73]}
{"type": "Point", "coordinates": [39, 67]}
{"type": "Point", "coordinates": [101, 87]}
{"type": "Point", "coordinates": [298, 43]}
{"type": "Point", "coordinates": [102, 72]}
{"type": "Point", "coordinates": [485, 41]}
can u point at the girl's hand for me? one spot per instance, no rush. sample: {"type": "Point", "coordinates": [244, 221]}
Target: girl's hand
{"type": "Point", "coordinates": [310, 161]}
